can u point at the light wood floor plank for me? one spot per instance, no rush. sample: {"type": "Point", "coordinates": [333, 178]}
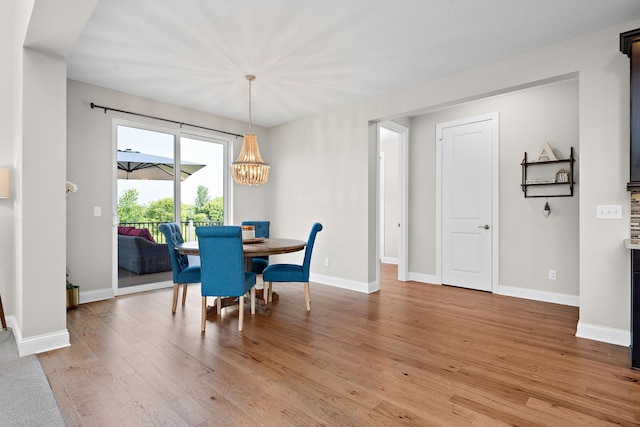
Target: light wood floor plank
{"type": "Point", "coordinates": [411, 354]}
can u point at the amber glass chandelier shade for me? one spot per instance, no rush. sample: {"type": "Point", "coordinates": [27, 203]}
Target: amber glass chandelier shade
{"type": "Point", "coordinates": [249, 168]}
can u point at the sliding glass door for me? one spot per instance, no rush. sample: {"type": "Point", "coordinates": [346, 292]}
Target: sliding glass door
{"type": "Point", "coordinates": [163, 176]}
{"type": "Point", "coordinates": [202, 196]}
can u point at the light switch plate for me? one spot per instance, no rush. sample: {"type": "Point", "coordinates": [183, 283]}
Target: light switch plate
{"type": "Point", "coordinates": [609, 211]}
{"type": "Point", "coordinates": [97, 211]}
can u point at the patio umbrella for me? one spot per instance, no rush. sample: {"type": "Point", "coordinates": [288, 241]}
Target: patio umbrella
{"type": "Point", "coordinates": [137, 165]}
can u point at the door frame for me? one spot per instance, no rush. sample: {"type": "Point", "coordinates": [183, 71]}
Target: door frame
{"type": "Point", "coordinates": [177, 133]}
{"type": "Point", "coordinates": [403, 179]}
{"type": "Point", "coordinates": [495, 193]}
{"type": "Point", "coordinates": [381, 216]}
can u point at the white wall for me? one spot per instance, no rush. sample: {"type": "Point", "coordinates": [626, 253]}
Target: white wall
{"type": "Point", "coordinates": [332, 151]}
{"type": "Point", "coordinates": [323, 169]}
{"type": "Point", "coordinates": [529, 243]}
{"type": "Point", "coordinates": [604, 157]}
{"type": "Point", "coordinates": [42, 168]}
{"type": "Point", "coordinates": [34, 140]}
{"type": "Point", "coordinates": [91, 165]}
{"type": "Point", "coordinates": [8, 88]}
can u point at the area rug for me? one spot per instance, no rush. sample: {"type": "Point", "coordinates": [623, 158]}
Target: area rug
{"type": "Point", "coordinates": [26, 398]}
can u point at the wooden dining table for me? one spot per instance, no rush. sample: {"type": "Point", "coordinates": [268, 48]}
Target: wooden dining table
{"type": "Point", "coordinates": [251, 248]}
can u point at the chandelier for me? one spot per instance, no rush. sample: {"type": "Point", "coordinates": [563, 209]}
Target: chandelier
{"type": "Point", "coordinates": [249, 168]}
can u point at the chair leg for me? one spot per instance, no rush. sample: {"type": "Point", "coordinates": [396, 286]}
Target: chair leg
{"type": "Point", "coordinates": [4, 322]}
{"type": "Point", "coordinates": [253, 300]}
{"type": "Point", "coordinates": [270, 292]}
{"type": "Point", "coordinates": [307, 295]}
{"type": "Point", "coordinates": [184, 294]}
{"type": "Point", "coordinates": [241, 313]}
{"type": "Point", "coordinates": [219, 304]}
{"type": "Point", "coordinates": [176, 287]}
{"type": "Point", "coordinates": [265, 291]}
{"type": "Point", "coordinates": [204, 313]}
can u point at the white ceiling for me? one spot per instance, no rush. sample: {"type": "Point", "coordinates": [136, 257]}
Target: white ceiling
{"type": "Point", "coordinates": [311, 55]}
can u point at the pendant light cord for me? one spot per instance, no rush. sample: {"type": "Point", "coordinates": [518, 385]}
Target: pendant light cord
{"type": "Point", "coordinates": [250, 78]}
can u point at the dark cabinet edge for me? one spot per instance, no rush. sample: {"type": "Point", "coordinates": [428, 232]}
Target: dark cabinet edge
{"type": "Point", "coordinates": [627, 39]}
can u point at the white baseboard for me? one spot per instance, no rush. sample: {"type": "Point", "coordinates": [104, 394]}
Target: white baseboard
{"type": "Point", "coordinates": [424, 278]}
{"type": "Point", "coordinates": [97, 295]}
{"type": "Point", "coordinates": [532, 294]}
{"type": "Point", "coordinates": [553, 297]}
{"type": "Point", "coordinates": [142, 288]}
{"type": "Point", "coordinates": [387, 260]}
{"type": "Point", "coordinates": [103, 294]}
{"type": "Point", "coordinates": [38, 343]}
{"type": "Point", "coordinates": [604, 334]}
{"type": "Point", "coordinates": [351, 285]}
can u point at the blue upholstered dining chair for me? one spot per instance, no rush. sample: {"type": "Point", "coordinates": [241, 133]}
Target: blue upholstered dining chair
{"type": "Point", "coordinates": [293, 272]}
{"type": "Point", "coordinates": [259, 263]}
{"type": "Point", "coordinates": [182, 272]}
{"type": "Point", "coordinates": [222, 263]}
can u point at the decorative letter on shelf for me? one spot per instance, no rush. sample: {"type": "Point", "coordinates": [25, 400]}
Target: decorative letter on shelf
{"type": "Point", "coordinates": [546, 153]}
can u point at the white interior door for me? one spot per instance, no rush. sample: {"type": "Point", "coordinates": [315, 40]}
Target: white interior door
{"type": "Point", "coordinates": [467, 201]}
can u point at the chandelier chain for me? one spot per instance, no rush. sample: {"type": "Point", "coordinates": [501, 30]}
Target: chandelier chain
{"type": "Point", "coordinates": [250, 78]}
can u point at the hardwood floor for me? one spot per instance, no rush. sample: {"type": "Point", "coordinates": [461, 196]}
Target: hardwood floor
{"type": "Point", "coordinates": [411, 354]}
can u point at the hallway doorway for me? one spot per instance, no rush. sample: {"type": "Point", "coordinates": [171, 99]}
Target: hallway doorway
{"type": "Point", "coordinates": [392, 196]}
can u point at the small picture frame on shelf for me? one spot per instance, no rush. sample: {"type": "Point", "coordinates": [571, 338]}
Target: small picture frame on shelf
{"type": "Point", "coordinates": [562, 175]}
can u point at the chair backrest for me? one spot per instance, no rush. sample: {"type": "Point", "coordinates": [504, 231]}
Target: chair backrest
{"type": "Point", "coordinates": [307, 253]}
{"type": "Point", "coordinates": [221, 260]}
{"type": "Point", "coordinates": [172, 234]}
{"type": "Point", "coordinates": [262, 227]}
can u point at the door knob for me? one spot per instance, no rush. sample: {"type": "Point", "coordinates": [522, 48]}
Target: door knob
{"type": "Point", "coordinates": [486, 226]}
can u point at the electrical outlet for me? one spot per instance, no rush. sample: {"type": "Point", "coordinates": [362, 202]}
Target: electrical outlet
{"type": "Point", "coordinates": [97, 211]}
{"type": "Point", "coordinates": [552, 275]}
{"type": "Point", "coordinates": [326, 262]}
{"type": "Point", "coordinates": [609, 212]}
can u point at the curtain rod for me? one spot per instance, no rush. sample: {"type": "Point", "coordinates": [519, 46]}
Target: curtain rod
{"type": "Point", "coordinates": [164, 120]}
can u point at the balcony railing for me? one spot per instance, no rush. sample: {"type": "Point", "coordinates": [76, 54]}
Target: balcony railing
{"type": "Point", "coordinates": [187, 228]}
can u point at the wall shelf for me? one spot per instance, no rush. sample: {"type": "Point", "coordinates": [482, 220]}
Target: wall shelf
{"type": "Point", "coordinates": [527, 183]}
